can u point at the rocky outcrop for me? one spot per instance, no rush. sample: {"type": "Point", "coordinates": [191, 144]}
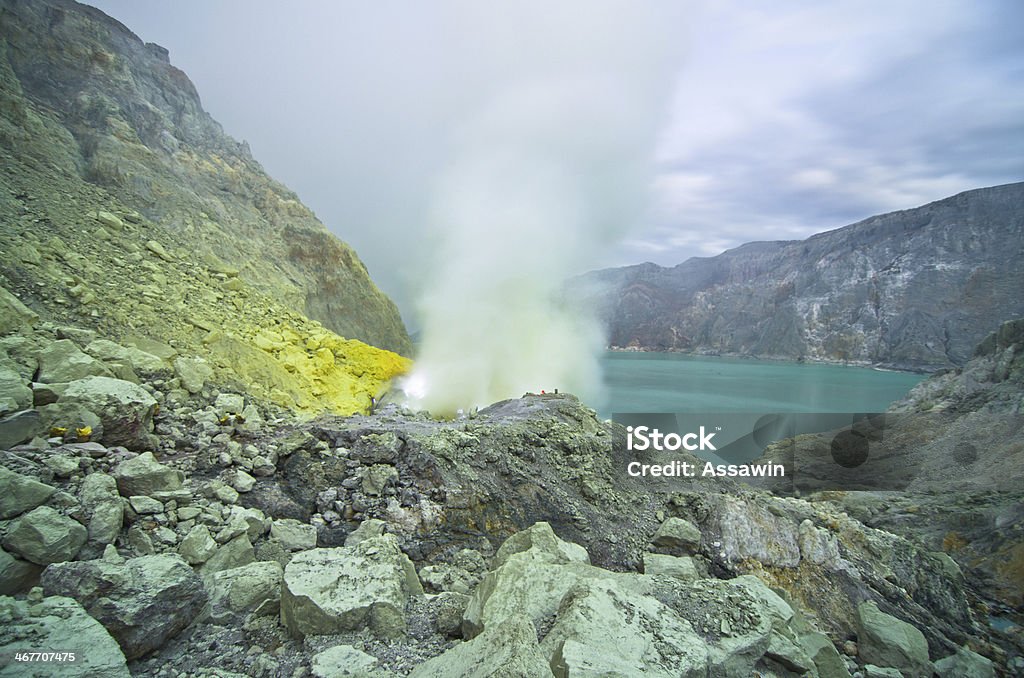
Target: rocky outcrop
{"type": "Point", "coordinates": [915, 289]}
{"type": "Point", "coordinates": [87, 106]}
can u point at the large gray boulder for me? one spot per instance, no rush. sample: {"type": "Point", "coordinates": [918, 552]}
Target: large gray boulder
{"type": "Point", "coordinates": [20, 493]}
{"type": "Point", "coordinates": [142, 602]}
{"type": "Point", "coordinates": [16, 575]}
{"type": "Point", "coordinates": [192, 373]}
{"type": "Point", "coordinates": [45, 536]}
{"type": "Point", "coordinates": [62, 361]}
{"type": "Point", "coordinates": [677, 534]}
{"type": "Point", "coordinates": [129, 356]}
{"type": "Point", "coordinates": [965, 664]}
{"type": "Point", "coordinates": [102, 504]}
{"type": "Point", "coordinates": [14, 315]}
{"type": "Point", "coordinates": [60, 625]}
{"type": "Point", "coordinates": [144, 475]}
{"type": "Point", "coordinates": [605, 628]}
{"type": "Point", "coordinates": [251, 589]}
{"type": "Point", "coordinates": [541, 538]}
{"type": "Point", "coordinates": [15, 394]}
{"type": "Point", "coordinates": [332, 590]}
{"type": "Point", "coordinates": [508, 650]}
{"type": "Point", "coordinates": [20, 427]}
{"type": "Point", "coordinates": [885, 640]}
{"type": "Point", "coordinates": [125, 409]}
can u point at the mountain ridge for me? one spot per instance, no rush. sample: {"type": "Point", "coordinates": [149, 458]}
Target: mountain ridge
{"type": "Point", "coordinates": [911, 289]}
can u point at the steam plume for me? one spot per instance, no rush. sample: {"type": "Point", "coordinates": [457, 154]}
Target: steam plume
{"type": "Point", "coordinates": [550, 166]}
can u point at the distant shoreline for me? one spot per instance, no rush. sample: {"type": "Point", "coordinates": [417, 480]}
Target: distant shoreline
{"type": "Point", "coordinates": [881, 367]}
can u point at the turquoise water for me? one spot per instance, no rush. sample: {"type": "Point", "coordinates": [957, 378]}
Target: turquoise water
{"type": "Point", "coordinates": [671, 382]}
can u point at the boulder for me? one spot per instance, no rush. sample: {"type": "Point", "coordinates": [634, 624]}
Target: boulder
{"type": "Point", "coordinates": [134, 358]}
{"type": "Point", "coordinates": [342, 661]}
{"type": "Point", "coordinates": [540, 538]}
{"type": "Point", "coordinates": [670, 566]}
{"type": "Point", "coordinates": [20, 493]}
{"type": "Point", "coordinates": [506, 650]}
{"type": "Point", "coordinates": [368, 529]}
{"type": "Point", "coordinates": [235, 553]}
{"type": "Point", "coordinates": [142, 602]}
{"type": "Point", "coordinates": [16, 575]}
{"type": "Point", "coordinates": [605, 628]}
{"type": "Point", "coordinates": [293, 535]}
{"type": "Point", "coordinates": [58, 624]}
{"type": "Point", "coordinates": [62, 361]}
{"type": "Point", "coordinates": [45, 536]}
{"type": "Point", "coordinates": [677, 534]}
{"type": "Point", "coordinates": [15, 394]}
{"type": "Point", "coordinates": [965, 664]}
{"type": "Point", "coordinates": [144, 475]}
{"type": "Point", "coordinates": [332, 590]}
{"type": "Point", "coordinates": [20, 427]}
{"type": "Point", "coordinates": [14, 315]}
{"type": "Point", "coordinates": [376, 478]}
{"type": "Point", "coordinates": [198, 545]}
{"type": "Point", "coordinates": [251, 589]}
{"type": "Point", "coordinates": [884, 640]}
{"type": "Point", "coordinates": [192, 373]}
{"type": "Point", "coordinates": [102, 504]}
{"type": "Point", "coordinates": [125, 409]}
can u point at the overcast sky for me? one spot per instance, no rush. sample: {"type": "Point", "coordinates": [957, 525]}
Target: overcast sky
{"type": "Point", "coordinates": [785, 118]}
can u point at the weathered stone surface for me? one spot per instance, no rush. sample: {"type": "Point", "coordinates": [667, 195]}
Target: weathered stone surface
{"type": "Point", "coordinates": [965, 664]}
{"type": "Point", "coordinates": [192, 372]}
{"type": "Point", "coordinates": [343, 661]}
{"type": "Point", "coordinates": [368, 529]}
{"type": "Point", "coordinates": [198, 545]}
{"type": "Point", "coordinates": [62, 361]}
{"type": "Point", "coordinates": [15, 394]}
{"type": "Point", "coordinates": [20, 427]}
{"type": "Point", "coordinates": [20, 493]}
{"type": "Point", "coordinates": [125, 409]}
{"type": "Point", "coordinates": [251, 589]}
{"type": "Point", "coordinates": [102, 504]}
{"type": "Point", "coordinates": [677, 534]}
{"type": "Point", "coordinates": [242, 482]}
{"type": "Point", "coordinates": [349, 588]}
{"type": "Point", "coordinates": [45, 536]}
{"type": "Point", "coordinates": [144, 475]}
{"type": "Point", "coordinates": [605, 628]}
{"type": "Point", "coordinates": [235, 553]}
{"type": "Point", "coordinates": [507, 650]}
{"type": "Point", "coordinates": [885, 640]}
{"type": "Point", "coordinates": [670, 566]}
{"type": "Point", "coordinates": [137, 359]}
{"type": "Point", "coordinates": [293, 535]}
{"type": "Point", "coordinates": [58, 624]}
{"type": "Point", "coordinates": [14, 315]}
{"type": "Point", "coordinates": [541, 538]}
{"type": "Point", "coordinates": [144, 505]}
{"type": "Point", "coordinates": [16, 575]}
{"type": "Point", "coordinates": [142, 602]}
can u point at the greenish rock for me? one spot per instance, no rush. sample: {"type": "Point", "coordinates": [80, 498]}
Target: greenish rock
{"type": "Point", "coordinates": [447, 577]}
{"type": "Point", "coordinates": [681, 568]}
{"type": "Point", "coordinates": [137, 359]}
{"type": "Point", "coordinates": [144, 475]}
{"type": "Point", "coordinates": [111, 221]}
{"type": "Point", "coordinates": [778, 608]}
{"type": "Point", "coordinates": [965, 664]}
{"type": "Point", "coordinates": [293, 535]}
{"type": "Point", "coordinates": [343, 661]}
{"type": "Point", "coordinates": [71, 417]}
{"type": "Point", "coordinates": [192, 372]}
{"type": "Point", "coordinates": [605, 628]}
{"type": "Point", "coordinates": [449, 607]}
{"type": "Point", "coordinates": [368, 529]}
{"type": "Point", "coordinates": [14, 315]}
{"type": "Point", "coordinates": [20, 427]}
{"type": "Point", "coordinates": [872, 671]}
{"type": "Point", "coordinates": [229, 404]}
{"type": "Point", "coordinates": [198, 545]}
{"type": "Point", "coordinates": [16, 575]}
{"type": "Point", "coordinates": [376, 478]}
{"type": "Point", "coordinates": [44, 536]}
{"type": "Point", "coordinates": [15, 394]}
{"type": "Point", "coordinates": [62, 465]}
{"type": "Point", "coordinates": [508, 650]}
{"type": "Point", "coordinates": [539, 537]}
{"type": "Point", "coordinates": [142, 601]}
{"type": "Point", "coordinates": [125, 409]}
{"type": "Point", "coordinates": [102, 504]}
{"type": "Point", "coordinates": [884, 640]}
{"type": "Point", "coordinates": [144, 505]}
{"type": "Point", "coordinates": [62, 361]}
{"type": "Point", "coordinates": [677, 534]}
{"type": "Point", "coordinates": [20, 493]}
{"type": "Point", "coordinates": [332, 590]}
{"type": "Point", "coordinates": [59, 624]}
{"type": "Point", "coordinates": [824, 654]}
{"type": "Point", "coordinates": [251, 589]}
{"type": "Point", "coordinates": [235, 553]}
{"type": "Point", "coordinates": [242, 482]}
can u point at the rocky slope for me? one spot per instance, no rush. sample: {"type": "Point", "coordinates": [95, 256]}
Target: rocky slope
{"type": "Point", "coordinates": [211, 534]}
{"type": "Point", "coordinates": [93, 119]}
{"type": "Point", "coordinates": [912, 289]}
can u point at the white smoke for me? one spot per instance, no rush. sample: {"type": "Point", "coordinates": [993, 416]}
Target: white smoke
{"type": "Point", "coordinates": [551, 165]}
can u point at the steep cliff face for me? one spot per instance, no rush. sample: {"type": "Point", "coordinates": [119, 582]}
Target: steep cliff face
{"type": "Point", "coordinates": [917, 288]}
{"type": "Point", "coordinates": [89, 110]}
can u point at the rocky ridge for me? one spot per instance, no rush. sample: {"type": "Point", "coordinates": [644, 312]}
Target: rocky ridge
{"type": "Point", "coordinates": [914, 289]}
{"type": "Point", "coordinates": [506, 542]}
{"type": "Point", "coordinates": [126, 211]}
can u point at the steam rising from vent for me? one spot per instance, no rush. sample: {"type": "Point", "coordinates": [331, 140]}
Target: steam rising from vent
{"type": "Point", "coordinates": [551, 165]}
